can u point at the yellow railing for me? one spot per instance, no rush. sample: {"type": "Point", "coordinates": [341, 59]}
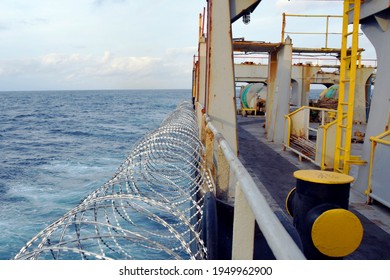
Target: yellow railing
{"type": "Point", "coordinates": [326, 33]}
{"type": "Point", "coordinates": [326, 144]}
{"type": "Point", "coordinates": [297, 131]}
{"type": "Point", "coordinates": [378, 191]}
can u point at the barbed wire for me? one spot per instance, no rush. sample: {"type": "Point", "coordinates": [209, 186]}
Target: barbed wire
{"type": "Point", "coordinates": [152, 208]}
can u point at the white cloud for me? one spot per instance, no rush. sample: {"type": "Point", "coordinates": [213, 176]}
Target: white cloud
{"type": "Point", "coordinates": [108, 69]}
{"type": "Point", "coordinates": [83, 66]}
{"type": "Point", "coordinates": [124, 66]}
{"type": "Point", "coordinates": [188, 51]}
{"type": "Point", "coordinates": [54, 45]}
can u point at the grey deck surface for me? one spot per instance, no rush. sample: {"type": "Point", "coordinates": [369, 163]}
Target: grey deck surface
{"type": "Point", "coordinates": [272, 169]}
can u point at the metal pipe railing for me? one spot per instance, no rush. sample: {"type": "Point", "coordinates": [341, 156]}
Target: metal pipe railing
{"type": "Point", "coordinates": [290, 121]}
{"type": "Point", "coordinates": [278, 239]}
{"type": "Point", "coordinates": [378, 139]}
{"type": "Point", "coordinates": [326, 33]}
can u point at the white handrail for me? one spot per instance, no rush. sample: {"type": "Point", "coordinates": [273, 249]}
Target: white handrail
{"type": "Point", "coordinates": [280, 242]}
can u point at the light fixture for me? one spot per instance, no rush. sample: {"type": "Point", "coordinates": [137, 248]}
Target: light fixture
{"type": "Point", "coordinates": [246, 18]}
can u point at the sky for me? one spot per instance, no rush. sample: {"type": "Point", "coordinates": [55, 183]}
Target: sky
{"type": "Point", "coordinates": [127, 44]}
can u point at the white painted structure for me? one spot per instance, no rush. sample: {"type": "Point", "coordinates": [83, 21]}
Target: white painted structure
{"type": "Point", "coordinates": [374, 19]}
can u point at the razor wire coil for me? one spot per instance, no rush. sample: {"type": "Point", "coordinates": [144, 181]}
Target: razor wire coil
{"type": "Point", "coordinates": [152, 208]}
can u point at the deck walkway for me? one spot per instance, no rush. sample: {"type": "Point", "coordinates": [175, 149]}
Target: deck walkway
{"type": "Point", "coordinates": [273, 169]}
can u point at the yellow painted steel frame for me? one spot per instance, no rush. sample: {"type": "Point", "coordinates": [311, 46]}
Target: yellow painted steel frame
{"type": "Point", "coordinates": [287, 136]}
{"type": "Point", "coordinates": [325, 127]}
{"type": "Point", "coordinates": [324, 143]}
{"type": "Point", "coordinates": [309, 107]}
{"type": "Point", "coordinates": [326, 33]}
{"type": "Point", "coordinates": [374, 140]}
{"type": "Point", "coordinates": [342, 159]}
{"type": "Point", "coordinates": [249, 110]}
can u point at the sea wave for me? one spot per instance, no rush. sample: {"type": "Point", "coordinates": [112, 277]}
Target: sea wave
{"type": "Point", "coordinates": [57, 146]}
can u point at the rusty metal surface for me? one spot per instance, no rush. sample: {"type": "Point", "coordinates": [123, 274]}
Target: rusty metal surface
{"type": "Point", "coordinates": [317, 50]}
{"type": "Point", "coordinates": [255, 46]}
{"type": "Point", "coordinates": [220, 85]}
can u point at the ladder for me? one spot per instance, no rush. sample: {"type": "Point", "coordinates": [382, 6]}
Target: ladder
{"type": "Point", "coordinates": [350, 58]}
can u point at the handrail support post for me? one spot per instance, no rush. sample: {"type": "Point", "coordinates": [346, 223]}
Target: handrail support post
{"type": "Point", "coordinates": [243, 227]}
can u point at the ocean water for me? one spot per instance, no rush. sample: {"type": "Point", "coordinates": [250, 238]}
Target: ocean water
{"type": "Point", "coordinates": [56, 147]}
{"type": "Point", "coordinates": [315, 94]}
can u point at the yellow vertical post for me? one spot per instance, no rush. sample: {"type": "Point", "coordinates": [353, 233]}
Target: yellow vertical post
{"type": "Point", "coordinates": [349, 60]}
{"type": "Point", "coordinates": [327, 32]}
{"type": "Point", "coordinates": [283, 26]}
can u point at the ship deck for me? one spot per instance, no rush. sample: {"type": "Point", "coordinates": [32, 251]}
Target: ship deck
{"type": "Point", "coordinates": [272, 168]}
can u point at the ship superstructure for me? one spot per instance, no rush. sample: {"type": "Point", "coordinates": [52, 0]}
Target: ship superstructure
{"type": "Point", "coordinates": [212, 184]}
{"type": "Point", "coordinates": [215, 76]}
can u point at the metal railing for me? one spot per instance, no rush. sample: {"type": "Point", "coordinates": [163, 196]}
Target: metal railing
{"type": "Point", "coordinates": [324, 62]}
{"type": "Point", "coordinates": [250, 204]}
{"type": "Point", "coordinates": [326, 33]}
{"type": "Point", "coordinates": [298, 129]}
{"type": "Point", "coordinates": [380, 147]}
